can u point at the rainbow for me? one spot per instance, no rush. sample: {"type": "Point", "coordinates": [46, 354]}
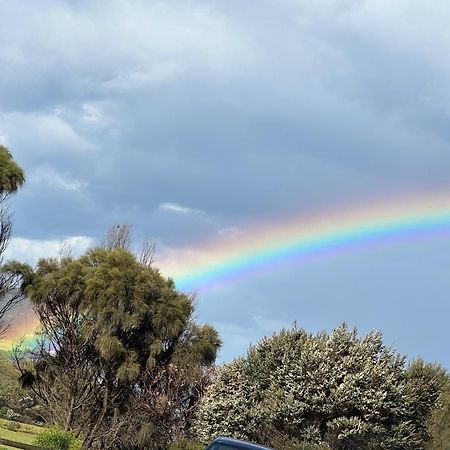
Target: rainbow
{"type": "Point", "coordinates": [297, 240]}
{"type": "Point", "coordinates": [24, 326]}
{"type": "Point", "coordinates": [294, 241]}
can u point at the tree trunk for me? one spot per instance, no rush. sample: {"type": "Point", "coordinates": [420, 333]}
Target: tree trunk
{"type": "Point", "coordinates": [70, 415]}
{"type": "Point", "coordinates": [92, 435]}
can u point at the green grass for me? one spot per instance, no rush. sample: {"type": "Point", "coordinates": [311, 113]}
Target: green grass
{"type": "Point", "coordinates": [25, 433]}
{"type": "Point", "coordinates": [25, 427]}
{"type": "Point", "coordinates": [18, 436]}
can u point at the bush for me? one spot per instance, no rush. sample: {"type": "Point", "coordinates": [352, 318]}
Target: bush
{"type": "Point", "coordinates": [186, 444]}
{"type": "Point", "coordinates": [3, 411]}
{"type": "Point", "coordinates": [13, 426]}
{"type": "Point", "coordinates": [338, 389]}
{"type": "Point", "coordinates": [284, 442]}
{"type": "Point", "coordinates": [11, 415]}
{"type": "Point", "coordinates": [56, 439]}
{"type": "Point", "coordinates": [10, 391]}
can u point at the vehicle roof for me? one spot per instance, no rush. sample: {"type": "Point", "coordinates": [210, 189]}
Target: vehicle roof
{"type": "Point", "coordinates": [239, 443]}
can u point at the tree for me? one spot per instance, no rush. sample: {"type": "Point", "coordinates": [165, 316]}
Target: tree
{"type": "Point", "coordinates": [10, 392]}
{"type": "Point", "coordinates": [164, 408]}
{"type": "Point", "coordinates": [338, 390]}
{"type": "Point", "coordinates": [11, 175]}
{"type": "Point", "coordinates": [11, 178]}
{"type": "Point", "coordinates": [427, 384]}
{"type": "Point", "coordinates": [110, 325]}
{"type": "Point", "coordinates": [439, 424]}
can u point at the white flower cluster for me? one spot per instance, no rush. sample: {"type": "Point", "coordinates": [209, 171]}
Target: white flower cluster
{"type": "Point", "coordinates": [340, 389]}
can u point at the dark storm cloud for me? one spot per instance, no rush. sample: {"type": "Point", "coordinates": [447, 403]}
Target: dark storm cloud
{"type": "Point", "coordinates": [235, 113]}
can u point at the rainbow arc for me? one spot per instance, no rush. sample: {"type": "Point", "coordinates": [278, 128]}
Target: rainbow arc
{"type": "Point", "coordinates": [295, 241]}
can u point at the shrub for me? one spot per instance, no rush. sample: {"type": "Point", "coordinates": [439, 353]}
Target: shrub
{"type": "Point", "coordinates": [346, 391]}
{"type": "Point", "coordinates": [11, 415]}
{"type": "Point", "coordinates": [285, 442]}
{"type": "Point", "coordinates": [186, 444]}
{"type": "Point", "coordinates": [56, 439]}
{"type": "Point", "coordinates": [13, 426]}
{"type": "Point", "coordinates": [3, 411]}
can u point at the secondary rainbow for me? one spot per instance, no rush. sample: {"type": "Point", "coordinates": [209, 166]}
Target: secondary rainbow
{"type": "Point", "coordinates": [295, 240]}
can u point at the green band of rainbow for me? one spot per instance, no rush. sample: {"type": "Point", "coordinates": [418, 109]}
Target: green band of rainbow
{"type": "Point", "coordinates": [297, 240]}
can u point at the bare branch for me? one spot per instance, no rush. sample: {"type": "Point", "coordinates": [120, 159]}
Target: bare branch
{"type": "Point", "coordinates": [5, 230]}
{"type": "Point", "coordinates": [147, 253]}
{"type": "Point", "coordinates": [65, 250]}
{"type": "Point", "coordinates": [10, 294]}
{"type": "Point", "coordinates": [118, 236]}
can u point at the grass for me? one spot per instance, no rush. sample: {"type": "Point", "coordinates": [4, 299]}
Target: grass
{"type": "Point", "coordinates": [25, 427]}
{"type": "Point", "coordinates": [25, 433]}
{"type": "Point", "coordinates": [18, 436]}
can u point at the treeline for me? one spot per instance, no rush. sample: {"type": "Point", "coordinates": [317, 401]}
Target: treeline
{"type": "Point", "coordinates": [121, 363]}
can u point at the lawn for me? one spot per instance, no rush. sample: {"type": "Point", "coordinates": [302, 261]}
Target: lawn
{"type": "Point", "coordinates": [24, 433]}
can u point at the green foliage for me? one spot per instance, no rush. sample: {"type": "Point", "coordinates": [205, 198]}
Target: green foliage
{"type": "Point", "coordinates": [11, 175]}
{"type": "Point", "coordinates": [228, 408]}
{"type": "Point", "coordinates": [439, 425]}
{"type": "Point", "coordinates": [3, 411]}
{"type": "Point", "coordinates": [341, 390]}
{"type": "Point", "coordinates": [426, 384]}
{"type": "Point", "coordinates": [186, 444]}
{"type": "Point", "coordinates": [10, 390]}
{"type": "Point", "coordinates": [56, 439]}
{"type": "Point", "coordinates": [11, 178]}
{"type": "Point", "coordinates": [283, 442]}
{"type": "Point", "coordinates": [13, 426]}
{"type": "Point", "coordinates": [112, 326]}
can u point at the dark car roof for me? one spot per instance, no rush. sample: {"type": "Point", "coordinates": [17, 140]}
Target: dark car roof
{"type": "Point", "coordinates": [240, 444]}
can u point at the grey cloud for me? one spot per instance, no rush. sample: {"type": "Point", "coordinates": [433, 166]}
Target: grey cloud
{"type": "Point", "coordinates": [111, 48]}
{"type": "Point", "coordinates": [242, 111]}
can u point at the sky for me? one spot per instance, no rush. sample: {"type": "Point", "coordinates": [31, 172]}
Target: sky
{"type": "Point", "coordinates": [200, 121]}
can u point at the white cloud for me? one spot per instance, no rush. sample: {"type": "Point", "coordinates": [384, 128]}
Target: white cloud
{"type": "Point", "coordinates": [92, 113]}
{"type": "Point", "coordinates": [31, 250]}
{"type": "Point", "coordinates": [120, 44]}
{"type": "Point", "coordinates": [50, 177]}
{"type": "Point", "coordinates": [49, 132]}
{"type": "Point", "coordinates": [173, 260]}
{"type": "Point", "coordinates": [229, 232]}
{"type": "Point", "coordinates": [175, 207]}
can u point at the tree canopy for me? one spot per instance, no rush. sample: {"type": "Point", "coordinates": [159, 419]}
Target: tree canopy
{"type": "Point", "coordinates": [11, 175]}
{"type": "Point", "coordinates": [341, 390]}
{"type": "Point", "coordinates": [439, 424]}
{"type": "Point", "coordinates": [11, 178]}
{"type": "Point", "coordinates": [111, 326]}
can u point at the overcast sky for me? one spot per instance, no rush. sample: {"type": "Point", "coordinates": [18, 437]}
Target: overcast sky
{"type": "Point", "coordinates": [193, 120]}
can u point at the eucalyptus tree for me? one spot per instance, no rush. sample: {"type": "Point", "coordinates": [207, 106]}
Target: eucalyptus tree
{"type": "Point", "coordinates": [110, 324]}
{"type": "Point", "coordinates": [11, 179]}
